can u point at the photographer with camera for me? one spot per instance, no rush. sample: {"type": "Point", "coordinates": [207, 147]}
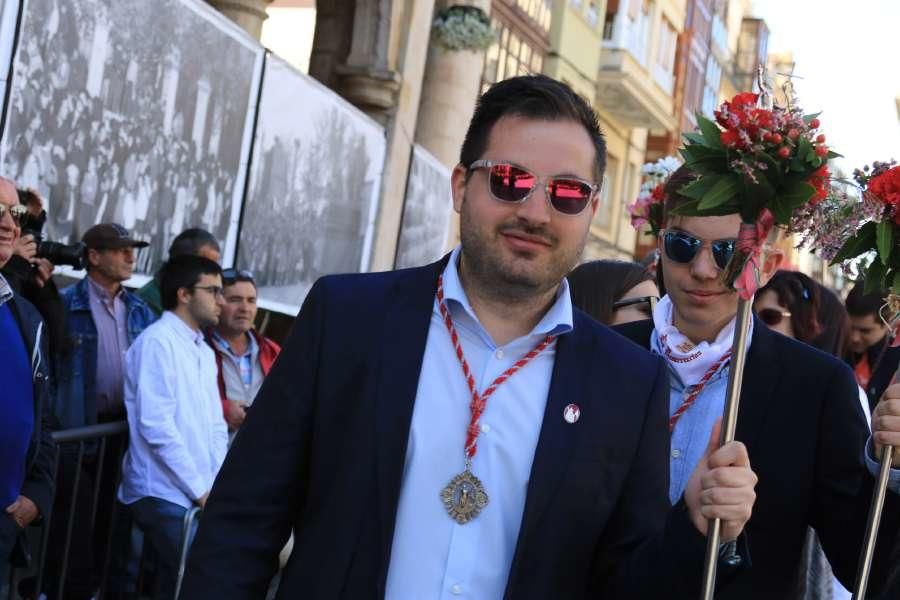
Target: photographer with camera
{"type": "Point", "coordinates": [103, 320]}
{"type": "Point", "coordinates": [29, 272]}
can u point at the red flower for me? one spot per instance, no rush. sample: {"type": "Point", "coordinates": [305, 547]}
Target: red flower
{"type": "Point", "coordinates": [886, 187]}
{"type": "Point", "coordinates": [730, 138]}
{"type": "Point", "coordinates": [819, 180]}
{"type": "Point", "coordinates": [744, 99]}
{"type": "Point", "coordinates": [658, 194]}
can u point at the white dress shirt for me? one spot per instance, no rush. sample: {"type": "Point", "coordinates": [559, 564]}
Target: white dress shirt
{"type": "Point", "coordinates": [432, 556]}
{"type": "Point", "coordinates": [178, 436]}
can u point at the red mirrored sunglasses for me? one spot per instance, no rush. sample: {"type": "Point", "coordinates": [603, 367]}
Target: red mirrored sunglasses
{"type": "Point", "coordinates": [513, 184]}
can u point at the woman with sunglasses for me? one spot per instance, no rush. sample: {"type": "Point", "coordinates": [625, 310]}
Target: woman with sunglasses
{"type": "Point", "coordinates": [799, 412]}
{"type": "Point", "coordinates": [613, 291]}
{"type": "Point", "coordinates": [789, 304]}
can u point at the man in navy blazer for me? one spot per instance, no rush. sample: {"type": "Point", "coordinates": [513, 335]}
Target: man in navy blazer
{"type": "Point", "coordinates": [458, 430]}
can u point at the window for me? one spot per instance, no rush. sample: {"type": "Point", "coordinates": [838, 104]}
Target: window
{"type": "Point", "coordinates": [593, 14]}
{"type": "Point", "coordinates": [603, 217]}
{"type": "Point", "coordinates": [665, 54]}
{"type": "Point", "coordinates": [512, 54]}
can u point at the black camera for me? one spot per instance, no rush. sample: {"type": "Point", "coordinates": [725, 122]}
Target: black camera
{"type": "Point", "coordinates": [55, 252]}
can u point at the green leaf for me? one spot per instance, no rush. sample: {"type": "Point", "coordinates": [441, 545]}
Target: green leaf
{"type": "Point", "coordinates": [723, 191]}
{"type": "Point", "coordinates": [689, 209]}
{"type": "Point", "coordinates": [773, 169]}
{"type": "Point", "coordinates": [796, 194]}
{"type": "Point", "coordinates": [699, 187]}
{"type": "Point", "coordinates": [885, 239]}
{"type": "Point", "coordinates": [808, 118]}
{"type": "Point", "coordinates": [832, 154]}
{"type": "Point", "coordinates": [875, 277]}
{"type": "Point", "coordinates": [856, 245]}
{"type": "Point", "coordinates": [711, 132]}
{"type": "Point", "coordinates": [805, 148]}
{"type": "Point", "coordinates": [895, 288]}
{"type": "Point", "coordinates": [694, 138]}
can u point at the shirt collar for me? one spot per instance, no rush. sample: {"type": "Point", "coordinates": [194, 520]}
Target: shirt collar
{"type": "Point", "coordinates": [556, 321]}
{"type": "Point", "coordinates": [224, 345]}
{"type": "Point", "coordinates": [101, 293]}
{"type": "Point", "coordinates": [6, 292]}
{"type": "Point", "coordinates": [182, 328]}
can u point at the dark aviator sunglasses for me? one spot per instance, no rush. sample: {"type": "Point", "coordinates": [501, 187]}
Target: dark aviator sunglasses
{"type": "Point", "coordinates": [683, 248]}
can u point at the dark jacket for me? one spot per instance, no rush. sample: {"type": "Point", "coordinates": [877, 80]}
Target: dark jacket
{"type": "Point", "coordinates": [803, 425]}
{"type": "Point", "coordinates": [75, 404]}
{"type": "Point", "coordinates": [47, 300]}
{"type": "Point", "coordinates": [38, 485]}
{"type": "Point", "coordinates": [884, 361]}
{"type": "Point", "coordinates": [325, 444]}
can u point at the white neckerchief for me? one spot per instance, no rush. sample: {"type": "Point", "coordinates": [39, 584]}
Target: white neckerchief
{"type": "Point", "coordinates": [691, 361]}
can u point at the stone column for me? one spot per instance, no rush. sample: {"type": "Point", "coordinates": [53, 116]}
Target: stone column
{"type": "Point", "coordinates": [451, 86]}
{"type": "Point", "coordinates": [248, 14]}
{"type": "Point", "coordinates": [449, 91]}
{"type": "Point", "coordinates": [413, 30]}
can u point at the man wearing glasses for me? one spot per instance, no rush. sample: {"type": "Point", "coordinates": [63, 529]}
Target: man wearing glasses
{"type": "Point", "coordinates": [243, 356]}
{"type": "Point", "coordinates": [799, 413]}
{"type": "Point", "coordinates": [26, 450]}
{"type": "Point", "coordinates": [178, 438]}
{"type": "Point", "coordinates": [459, 430]}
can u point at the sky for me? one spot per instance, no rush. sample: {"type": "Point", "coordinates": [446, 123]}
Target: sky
{"type": "Point", "coordinates": [847, 54]}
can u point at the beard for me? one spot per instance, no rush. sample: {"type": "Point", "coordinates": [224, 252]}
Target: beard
{"type": "Point", "coordinates": [504, 274]}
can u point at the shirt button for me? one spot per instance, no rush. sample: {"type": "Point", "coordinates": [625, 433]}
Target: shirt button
{"type": "Point", "coordinates": [676, 453]}
{"type": "Point", "coordinates": [499, 354]}
{"type": "Point", "coordinates": [456, 590]}
{"type": "Point", "coordinates": [485, 428]}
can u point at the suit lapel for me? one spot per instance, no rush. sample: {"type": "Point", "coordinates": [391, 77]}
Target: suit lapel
{"type": "Point", "coordinates": [761, 374]}
{"type": "Point", "coordinates": [558, 438]}
{"type": "Point", "coordinates": [405, 331]}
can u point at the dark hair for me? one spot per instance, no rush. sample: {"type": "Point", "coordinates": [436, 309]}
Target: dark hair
{"type": "Point", "coordinates": [860, 304]}
{"type": "Point", "coordinates": [533, 97]}
{"type": "Point", "coordinates": [835, 324]}
{"type": "Point", "coordinates": [800, 296]}
{"type": "Point", "coordinates": [596, 285]}
{"type": "Point", "coordinates": [682, 176]}
{"type": "Point", "coordinates": [190, 241]}
{"type": "Point", "coordinates": [183, 272]}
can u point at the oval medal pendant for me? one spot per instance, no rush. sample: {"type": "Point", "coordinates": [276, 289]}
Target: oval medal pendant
{"type": "Point", "coordinates": [464, 497]}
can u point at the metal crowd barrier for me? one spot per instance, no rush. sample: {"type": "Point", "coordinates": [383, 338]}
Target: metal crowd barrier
{"type": "Point", "coordinates": [91, 442]}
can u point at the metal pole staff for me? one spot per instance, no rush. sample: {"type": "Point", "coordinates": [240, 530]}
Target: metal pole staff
{"type": "Point", "coordinates": [875, 509]}
{"type": "Point", "coordinates": [729, 426]}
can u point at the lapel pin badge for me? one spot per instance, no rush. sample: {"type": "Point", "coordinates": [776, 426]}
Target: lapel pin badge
{"type": "Point", "coordinates": [571, 413]}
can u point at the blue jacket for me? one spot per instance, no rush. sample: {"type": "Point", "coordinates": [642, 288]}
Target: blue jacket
{"type": "Point", "coordinates": [75, 401]}
{"type": "Point", "coordinates": [38, 485]}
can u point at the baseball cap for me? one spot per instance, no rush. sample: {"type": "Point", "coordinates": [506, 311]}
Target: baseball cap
{"type": "Point", "coordinates": [110, 235]}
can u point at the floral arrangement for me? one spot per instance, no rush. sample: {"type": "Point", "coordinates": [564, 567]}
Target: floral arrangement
{"type": "Point", "coordinates": [648, 206]}
{"type": "Point", "coordinates": [843, 228]}
{"type": "Point", "coordinates": [462, 28]}
{"type": "Point", "coordinates": [761, 161]}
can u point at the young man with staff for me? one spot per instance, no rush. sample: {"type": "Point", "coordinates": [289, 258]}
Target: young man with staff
{"type": "Point", "coordinates": [459, 430]}
{"type": "Point", "coordinates": [799, 414]}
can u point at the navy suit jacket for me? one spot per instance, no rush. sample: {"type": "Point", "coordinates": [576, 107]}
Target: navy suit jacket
{"type": "Point", "coordinates": [802, 422]}
{"type": "Point", "coordinates": [322, 451]}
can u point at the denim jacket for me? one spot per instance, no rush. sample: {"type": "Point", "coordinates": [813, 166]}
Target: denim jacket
{"type": "Point", "coordinates": [75, 401]}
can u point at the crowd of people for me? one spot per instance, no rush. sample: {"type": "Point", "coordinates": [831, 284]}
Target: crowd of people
{"type": "Point", "coordinates": [490, 425]}
{"type": "Point", "coordinates": [179, 359]}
